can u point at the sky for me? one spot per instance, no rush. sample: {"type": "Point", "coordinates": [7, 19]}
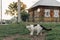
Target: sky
{"type": "Point", "coordinates": [5, 4]}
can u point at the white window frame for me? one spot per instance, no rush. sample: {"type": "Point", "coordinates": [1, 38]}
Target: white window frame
{"type": "Point", "coordinates": [47, 11]}
{"type": "Point", "coordinates": [56, 13]}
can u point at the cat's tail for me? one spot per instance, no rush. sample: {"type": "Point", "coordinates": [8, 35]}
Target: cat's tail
{"type": "Point", "coordinates": [45, 28]}
{"type": "Point", "coordinates": [48, 29]}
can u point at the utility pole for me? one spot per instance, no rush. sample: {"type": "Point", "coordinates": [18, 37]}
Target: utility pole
{"type": "Point", "coordinates": [1, 11]}
{"type": "Point", "coordinates": [19, 15]}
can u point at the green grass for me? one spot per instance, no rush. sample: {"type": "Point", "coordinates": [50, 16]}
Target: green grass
{"type": "Point", "coordinates": [12, 29]}
{"type": "Point", "coordinates": [55, 33]}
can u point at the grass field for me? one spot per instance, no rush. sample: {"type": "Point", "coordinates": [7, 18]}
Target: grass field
{"type": "Point", "coordinates": [12, 29]}
{"type": "Point", "coordinates": [55, 33]}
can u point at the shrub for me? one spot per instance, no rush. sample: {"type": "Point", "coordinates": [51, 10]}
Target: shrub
{"type": "Point", "coordinates": [24, 16]}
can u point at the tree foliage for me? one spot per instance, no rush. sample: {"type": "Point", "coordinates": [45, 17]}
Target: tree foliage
{"type": "Point", "coordinates": [12, 8]}
{"type": "Point", "coordinates": [24, 15]}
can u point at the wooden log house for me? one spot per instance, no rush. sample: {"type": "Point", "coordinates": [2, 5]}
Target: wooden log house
{"type": "Point", "coordinates": [45, 11]}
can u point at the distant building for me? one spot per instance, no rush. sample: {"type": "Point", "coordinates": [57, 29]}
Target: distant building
{"type": "Point", "coordinates": [45, 10]}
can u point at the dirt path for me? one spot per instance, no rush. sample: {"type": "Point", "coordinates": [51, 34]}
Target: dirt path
{"type": "Point", "coordinates": [40, 37]}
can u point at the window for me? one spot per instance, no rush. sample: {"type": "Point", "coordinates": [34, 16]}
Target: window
{"type": "Point", "coordinates": [56, 13]}
{"type": "Point", "coordinates": [47, 12]}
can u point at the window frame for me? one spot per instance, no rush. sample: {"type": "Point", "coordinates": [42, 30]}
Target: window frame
{"type": "Point", "coordinates": [56, 14]}
{"type": "Point", "coordinates": [47, 11]}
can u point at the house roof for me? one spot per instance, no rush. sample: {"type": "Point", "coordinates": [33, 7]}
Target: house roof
{"type": "Point", "coordinates": [47, 3]}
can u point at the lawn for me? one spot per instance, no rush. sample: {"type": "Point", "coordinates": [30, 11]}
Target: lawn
{"type": "Point", "coordinates": [55, 33]}
{"type": "Point", "coordinates": [12, 29]}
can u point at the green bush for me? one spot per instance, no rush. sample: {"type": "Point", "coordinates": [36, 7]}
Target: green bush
{"type": "Point", "coordinates": [24, 15]}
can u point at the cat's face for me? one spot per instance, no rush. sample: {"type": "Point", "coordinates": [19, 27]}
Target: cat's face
{"type": "Point", "coordinates": [27, 27]}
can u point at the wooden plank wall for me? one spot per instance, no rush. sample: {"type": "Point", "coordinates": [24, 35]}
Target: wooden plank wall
{"type": "Point", "coordinates": [44, 19]}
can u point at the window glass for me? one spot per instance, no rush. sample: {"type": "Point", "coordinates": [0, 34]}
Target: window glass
{"type": "Point", "coordinates": [47, 12]}
{"type": "Point", "coordinates": [56, 13]}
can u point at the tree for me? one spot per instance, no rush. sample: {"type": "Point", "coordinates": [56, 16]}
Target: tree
{"type": "Point", "coordinates": [12, 8]}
